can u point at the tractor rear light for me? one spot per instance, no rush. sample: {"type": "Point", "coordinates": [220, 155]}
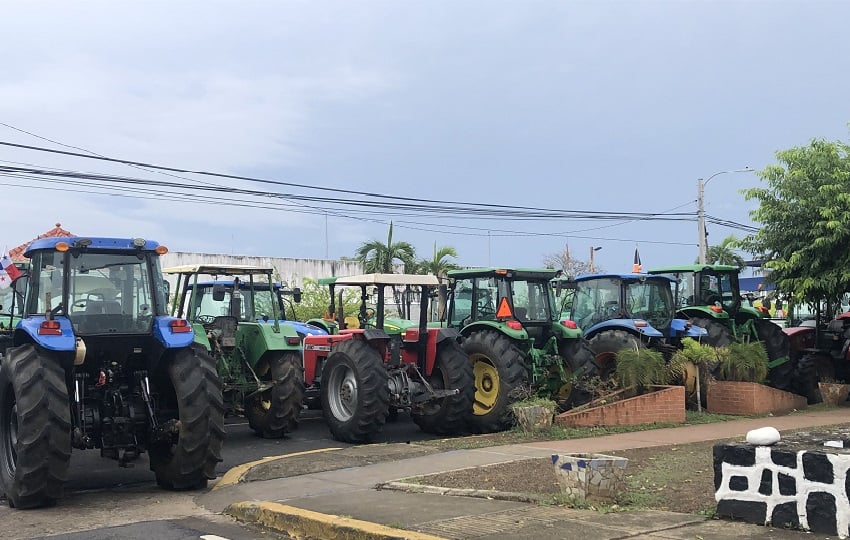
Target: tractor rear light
{"type": "Point", "coordinates": [716, 309]}
{"type": "Point", "coordinates": [514, 325]}
{"type": "Point", "coordinates": [50, 328]}
{"type": "Point", "coordinates": [180, 326]}
{"type": "Point", "coordinates": [640, 324]}
{"type": "Point", "coordinates": [570, 324]}
{"type": "Point", "coordinates": [293, 340]}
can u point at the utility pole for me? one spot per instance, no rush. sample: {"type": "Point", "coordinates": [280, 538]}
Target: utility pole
{"type": "Point", "coordinates": [702, 235]}
{"type": "Point", "coordinates": [592, 250]}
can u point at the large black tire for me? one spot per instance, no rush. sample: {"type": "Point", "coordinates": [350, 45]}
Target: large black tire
{"type": "Point", "coordinates": [718, 334]}
{"type": "Point", "coordinates": [580, 362]}
{"type": "Point", "coordinates": [607, 344]}
{"type": "Point", "coordinates": [275, 411]}
{"type": "Point", "coordinates": [452, 370]}
{"type": "Point", "coordinates": [499, 368]}
{"type": "Point", "coordinates": [190, 393]}
{"type": "Point", "coordinates": [777, 346]}
{"type": "Point", "coordinates": [35, 427]}
{"type": "Point", "coordinates": [806, 378]}
{"type": "Point", "coordinates": [355, 393]}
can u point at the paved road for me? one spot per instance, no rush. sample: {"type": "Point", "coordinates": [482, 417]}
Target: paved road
{"type": "Point", "coordinates": [100, 495]}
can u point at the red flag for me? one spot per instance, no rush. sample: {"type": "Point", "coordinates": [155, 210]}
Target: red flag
{"type": "Point", "coordinates": [636, 267]}
{"type": "Point", "coordinates": [9, 268]}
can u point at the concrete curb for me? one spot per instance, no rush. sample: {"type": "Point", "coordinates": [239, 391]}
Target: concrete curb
{"type": "Point", "coordinates": [236, 474]}
{"type": "Point", "coordinates": [300, 523]}
{"type": "Point", "coordinates": [462, 492]}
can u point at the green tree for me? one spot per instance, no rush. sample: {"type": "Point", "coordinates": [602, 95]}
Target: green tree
{"type": "Point", "coordinates": [378, 257]}
{"type": "Point", "coordinates": [804, 212]}
{"type": "Point", "coordinates": [439, 265]}
{"type": "Point", "coordinates": [725, 253]}
{"type": "Point", "coordinates": [315, 300]}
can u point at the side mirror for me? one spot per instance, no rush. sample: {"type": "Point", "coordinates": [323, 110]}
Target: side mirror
{"type": "Point", "coordinates": [166, 286]}
{"type": "Point", "coordinates": [558, 288]}
{"type": "Point", "coordinates": [218, 292]}
{"type": "Point", "coordinates": [296, 295]}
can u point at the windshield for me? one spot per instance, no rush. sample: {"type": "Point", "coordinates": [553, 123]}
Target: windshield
{"type": "Point", "coordinates": [595, 301]}
{"type": "Point", "coordinates": [252, 306]}
{"type": "Point", "coordinates": [650, 300]}
{"type": "Point", "coordinates": [106, 292]}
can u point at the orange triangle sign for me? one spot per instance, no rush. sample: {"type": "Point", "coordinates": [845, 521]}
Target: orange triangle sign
{"type": "Point", "coordinates": [504, 310]}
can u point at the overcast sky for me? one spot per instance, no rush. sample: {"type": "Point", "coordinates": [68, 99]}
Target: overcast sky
{"type": "Point", "coordinates": [613, 107]}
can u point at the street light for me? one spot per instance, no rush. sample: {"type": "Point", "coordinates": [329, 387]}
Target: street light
{"type": "Point", "coordinates": [703, 244]}
{"type": "Point", "coordinates": [592, 249]}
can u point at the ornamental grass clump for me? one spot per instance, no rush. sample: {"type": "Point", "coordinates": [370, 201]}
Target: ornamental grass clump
{"type": "Point", "coordinates": [744, 362]}
{"type": "Point", "coordinates": [640, 368]}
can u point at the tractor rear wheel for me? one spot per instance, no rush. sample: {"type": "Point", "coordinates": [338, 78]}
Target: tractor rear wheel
{"type": "Point", "coordinates": [499, 368]}
{"type": "Point", "coordinates": [355, 392]}
{"type": "Point", "coordinates": [777, 346]}
{"type": "Point", "coordinates": [578, 361]}
{"type": "Point", "coordinates": [605, 346]}
{"type": "Point", "coordinates": [718, 334]}
{"type": "Point", "coordinates": [275, 411]}
{"type": "Point", "coordinates": [191, 400]}
{"type": "Point", "coordinates": [452, 370]}
{"type": "Point", "coordinates": [35, 427]}
{"type": "Point", "coordinates": [806, 378]}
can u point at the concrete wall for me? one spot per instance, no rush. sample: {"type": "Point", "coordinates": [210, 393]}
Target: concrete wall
{"type": "Point", "coordinates": [292, 271]}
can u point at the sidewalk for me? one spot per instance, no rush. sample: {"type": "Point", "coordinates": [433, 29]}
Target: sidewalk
{"type": "Point", "coordinates": [344, 503]}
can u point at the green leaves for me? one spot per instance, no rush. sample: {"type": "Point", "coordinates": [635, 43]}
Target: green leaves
{"type": "Point", "coordinates": [804, 214]}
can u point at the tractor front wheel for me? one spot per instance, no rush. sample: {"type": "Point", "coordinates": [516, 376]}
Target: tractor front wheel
{"type": "Point", "coordinates": [35, 427]}
{"type": "Point", "coordinates": [607, 344]}
{"type": "Point", "coordinates": [452, 370]}
{"type": "Point", "coordinates": [499, 368]}
{"type": "Point", "coordinates": [355, 393]}
{"type": "Point", "coordinates": [191, 402]}
{"type": "Point", "coordinates": [275, 411]}
{"type": "Point", "coordinates": [806, 378]}
{"type": "Point", "coordinates": [579, 362]}
{"type": "Point", "coordinates": [718, 334]}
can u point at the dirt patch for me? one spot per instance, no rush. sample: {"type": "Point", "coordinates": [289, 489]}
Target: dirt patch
{"type": "Point", "coordinates": [674, 478]}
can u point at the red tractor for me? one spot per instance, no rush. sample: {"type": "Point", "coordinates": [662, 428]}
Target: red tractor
{"type": "Point", "coordinates": [362, 375]}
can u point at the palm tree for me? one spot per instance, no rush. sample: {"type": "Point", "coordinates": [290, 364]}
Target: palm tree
{"type": "Point", "coordinates": [725, 253]}
{"type": "Point", "coordinates": [378, 257]}
{"type": "Point", "coordinates": [439, 266]}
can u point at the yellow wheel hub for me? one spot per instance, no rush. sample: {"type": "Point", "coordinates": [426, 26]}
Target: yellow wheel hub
{"type": "Point", "coordinates": [486, 385]}
{"type": "Point", "coordinates": [566, 388]}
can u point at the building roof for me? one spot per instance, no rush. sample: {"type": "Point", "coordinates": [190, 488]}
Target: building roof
{"type": "Point", "coordinates": [17, 254]}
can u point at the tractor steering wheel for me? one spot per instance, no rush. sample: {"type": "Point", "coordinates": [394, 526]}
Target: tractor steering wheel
{"type": "Point", "coordinates": [205, 319]}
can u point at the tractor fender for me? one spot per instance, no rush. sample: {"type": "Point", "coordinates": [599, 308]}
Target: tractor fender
{"type": "Point", "coordinates": [703, 312]}
{"type": "Point", "coordinates": [201, 336]}
{"type": "Point", "coordinates": [681, 327]}
{"type": "Point", "coordinates": [500, 327]}
{"type": "Point", "coordinates": [66, 341]}
{"type": "Point", "coordinates": [564, 332]}
{"type": "Point", "coordinates": [800, 337]}
{"type": "Point", "coordinates": [256, 339]}
{"type": "Point", "coordinates": [623, 324]}
{"type": "Point", "coordinates": [747, 312]}
{"type": "Point", "coordinates": [174, 340]}
{"type": "Point", "coordinates": [446, 333]}
{"type": "Point", "coordinates": [330, 327]}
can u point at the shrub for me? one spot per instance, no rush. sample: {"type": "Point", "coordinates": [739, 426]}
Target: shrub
{"type": "Point", "coordinates": [641, 368]}
{"type": "Point", "coordinates": [746, 362]}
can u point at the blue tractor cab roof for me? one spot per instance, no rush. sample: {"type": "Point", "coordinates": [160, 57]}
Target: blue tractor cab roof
{"type": "Point", "coordinates": [93, 243]}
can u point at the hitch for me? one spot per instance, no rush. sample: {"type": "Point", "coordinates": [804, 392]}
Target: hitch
{"type": "Point", "coordinates": [164, 433]}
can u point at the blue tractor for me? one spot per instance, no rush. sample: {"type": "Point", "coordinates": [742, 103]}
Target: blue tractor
{"type": "Point", "coordinates": [94, 361]}
{"type": "Point", "coordinates": [617, 311]}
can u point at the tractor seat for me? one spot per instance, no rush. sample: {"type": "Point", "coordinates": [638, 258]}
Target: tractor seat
{"type": "Point", "coordinates": [97, 307]}
{"type": "Point", "coordinates": [351, 322]}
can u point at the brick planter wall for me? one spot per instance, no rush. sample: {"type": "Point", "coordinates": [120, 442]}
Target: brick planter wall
{"type": "Point", "coordinates": [664, 405]}
{"type": "Point", "coordinates": [805, 490]}
{"type": "Point", "coordinates": [746, 398]}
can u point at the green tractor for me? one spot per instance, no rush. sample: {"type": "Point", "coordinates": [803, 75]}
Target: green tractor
{"type": "Point", "coordinates": [710, 296]}
{"type": "Point", "coordinates": [258, 358]}
{"type": "Point", "coordinates": [515, 340]}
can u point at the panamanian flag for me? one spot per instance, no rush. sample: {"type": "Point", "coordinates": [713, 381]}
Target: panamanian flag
{"type": "Point", "coordinates": [8, 272]}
